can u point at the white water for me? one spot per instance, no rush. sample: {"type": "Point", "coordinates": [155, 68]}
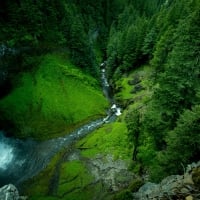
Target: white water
{"type": "Point", "coordinates": [116, 110]}
{"type": "Point", "coordinates": [104, 79]}
{"type": "Point", "coordinates": [6, 155]}
{"type": "Point", "coordinates": [20, 160]}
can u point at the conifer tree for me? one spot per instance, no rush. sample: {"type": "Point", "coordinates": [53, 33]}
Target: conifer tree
{"type": "Point", "coordinates": [179, 83]}
{"type": "Point", "coordinates": [133, 122]}
{"type": "Point", "coordinates": [183, 142]}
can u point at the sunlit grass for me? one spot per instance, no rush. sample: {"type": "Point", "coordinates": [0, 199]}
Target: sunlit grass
{"type": "Point", "coordinates": [53, 99]}
{"type": "Point", "coordinates": [110, 139]}
{"type": "Point", "coordinates": [74, 176]}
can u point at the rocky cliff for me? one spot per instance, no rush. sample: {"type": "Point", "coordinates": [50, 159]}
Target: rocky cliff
{"type": "Point", "coordinates": [175, 187]}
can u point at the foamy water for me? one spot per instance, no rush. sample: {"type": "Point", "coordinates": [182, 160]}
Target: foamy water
{"type": "Point", "coordinates": [23, 159]}
{"type": "Point", "coordinates": [6, 155]}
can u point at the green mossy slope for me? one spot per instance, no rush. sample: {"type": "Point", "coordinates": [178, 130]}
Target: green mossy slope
{"type": "Point", "coordinates": [75, 183]}
{"type": "Point", "coordinates": [110, 139]}
{"type": "Point", "coordinates": [75, 180]}
{"type": "Point", "coordinates": [135, 90]}
{"type": "Point", "coordinates": [53, 100]}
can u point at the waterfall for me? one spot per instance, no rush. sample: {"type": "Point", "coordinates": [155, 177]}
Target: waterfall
{"type": "Point", "coordinates": [6, 153]}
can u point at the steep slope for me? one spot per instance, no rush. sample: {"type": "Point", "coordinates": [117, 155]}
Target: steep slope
{"type": "Point", "coordinates": [52, 100]}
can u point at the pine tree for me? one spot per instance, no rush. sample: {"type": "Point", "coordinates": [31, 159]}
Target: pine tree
{"type": "Point", "coordinates": [179, 83]}
{"type": "Point", "coordinates": [183, 142]}
{"type": "Point", "coordinates": [133, 123]}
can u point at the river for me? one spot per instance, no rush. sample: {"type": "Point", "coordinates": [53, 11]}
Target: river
{"type": "Point", "coordinates": [23, 159]}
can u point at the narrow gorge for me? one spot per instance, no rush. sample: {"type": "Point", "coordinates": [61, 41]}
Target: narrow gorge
{"type": "Point", "coordinates": [23, 159]}
{"type": "Point", "coordinates": [99, 99]}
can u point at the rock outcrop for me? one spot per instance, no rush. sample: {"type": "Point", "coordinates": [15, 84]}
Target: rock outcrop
{"type": "Point", "coordinates": [113, 173]}
{"type": "Point", "coordinates": [10, 192]}
{"type": "Point", "coordinates": [185, 187]}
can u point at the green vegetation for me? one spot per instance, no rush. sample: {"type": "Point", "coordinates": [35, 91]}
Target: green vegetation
{"type": "Point", "coordinates": [110, 139]}
{"type": "Point", "coordinates": [167, 39]}
{"type": "Point", "coordinates": [123, 195]}
{"type": "Point", "coordinates": [38, 186]}
{"type": "Point", "coordinates": [152, 52]}
{"type": "Point", "coordinates": [74, 178]}
{"type": "Point", "coordinates": [53, 99]}
{"type": "Point", "coordinates": [43, 26]}
{"type": "Point", "coordinates": [134, 89]}
{"type": "Point", "coordinates": [74, 181]}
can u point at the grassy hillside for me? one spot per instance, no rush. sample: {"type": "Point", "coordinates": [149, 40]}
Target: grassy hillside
{"type": "Point", "coordinates": [108, 146]}
{"type": "Point", "coordinates": [53, 100]}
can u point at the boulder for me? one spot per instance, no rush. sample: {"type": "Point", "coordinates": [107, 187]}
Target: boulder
{"type": "Point", "coordinates": [10, 192]}
{"type": "Point", "coordinates": [174, 186]}
{"type": "Point", "coordinates": [189, 198]}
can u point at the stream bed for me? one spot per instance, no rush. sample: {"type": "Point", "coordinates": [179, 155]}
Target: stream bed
{"type": "Point", "coordinates": [23, 159]}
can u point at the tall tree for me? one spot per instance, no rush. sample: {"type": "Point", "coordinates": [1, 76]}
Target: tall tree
{"type": "Point", "coordinates": [179, 84]}
{"type": "Point", "coordinates": [183, 142]}
{"type": "Point", "coordinates": [133, 122]}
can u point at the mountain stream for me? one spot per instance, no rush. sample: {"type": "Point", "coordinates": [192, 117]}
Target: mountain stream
{"type": "Point", "coordinates": [23, 159]}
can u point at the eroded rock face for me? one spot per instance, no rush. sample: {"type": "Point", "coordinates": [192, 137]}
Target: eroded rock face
{"type": "Point", "coordinates": [113, 173]}
{"type": "Point", "coordinates": [173, 187]}
{"type": "Point", "coordinates": [10, 192]}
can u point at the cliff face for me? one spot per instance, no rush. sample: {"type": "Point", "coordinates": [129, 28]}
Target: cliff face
{"type": "Point", "coordinates": [182, 187]}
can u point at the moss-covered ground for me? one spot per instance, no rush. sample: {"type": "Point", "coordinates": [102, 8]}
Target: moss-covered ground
{"type": "Point", "coordinates": [53, 100]}
{"type": "Point", "coordinates": [37, 188]}
{"type": "Point", "coordinates": [110, 139]}
{"type": "Point", "coordinates": [134, 90]}
{"type": "Point", "coordinates": [76, 181]}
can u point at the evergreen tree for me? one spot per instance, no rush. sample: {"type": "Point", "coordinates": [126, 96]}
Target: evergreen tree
{"type": "Point", "coordinates": [133, 123]}
{"type": "Point", "coordinates": [162, 48]}
{"type": "Point", "coordinates": [79, 44]}
{"type": "Point", "coordinates": [179, 84]}
{"type": "Point", "coordinates": [183, 142]}
{"type": "Point", "coordinates": [150, 39]}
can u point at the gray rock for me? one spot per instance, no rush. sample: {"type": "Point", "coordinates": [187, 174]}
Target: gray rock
{"type": "Point", "coordinates": [10, 192]}
{"type": "Point", "coordinates": [113, 173]}
{"type": "Point", "coordinates": [172, 187]}
{"type": "Point", "coordinates": [146, 190]}
{"type": "Point", "coordinates": [147, 187]}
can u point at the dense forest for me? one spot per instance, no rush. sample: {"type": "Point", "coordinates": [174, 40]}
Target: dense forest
{"type": "Point", "coordinates": [151, 48]}
{"type": "Point", "coordinates": [166, 37]}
